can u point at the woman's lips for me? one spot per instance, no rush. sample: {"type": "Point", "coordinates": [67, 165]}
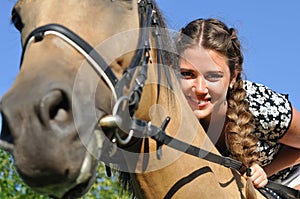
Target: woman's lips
{"type": "Point", "coordinates": [200, 103]}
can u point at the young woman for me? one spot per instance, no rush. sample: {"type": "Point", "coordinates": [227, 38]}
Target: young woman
{"type": "Point", "coordinates": [246, 120]}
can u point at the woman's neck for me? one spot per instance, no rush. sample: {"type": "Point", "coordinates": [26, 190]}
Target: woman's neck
{"type": "Point", "coordinates": [215, 129]}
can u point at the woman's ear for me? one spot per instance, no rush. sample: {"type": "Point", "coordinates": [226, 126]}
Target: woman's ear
{"type": "Point", "coordinates": [233, 79]}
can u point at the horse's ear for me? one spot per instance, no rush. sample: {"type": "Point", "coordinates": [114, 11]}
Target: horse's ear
{"type": "Point", "coordinates": [16, 20]}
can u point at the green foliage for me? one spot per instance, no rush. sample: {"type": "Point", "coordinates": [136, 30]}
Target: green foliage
{"type": "Point", "coordinates": [105, 187]}
{"type": "Point", "coordinates": [12, 186]}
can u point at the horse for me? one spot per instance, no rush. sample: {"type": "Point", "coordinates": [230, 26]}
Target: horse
{"type": "Point", "coordinates": [83, 64]}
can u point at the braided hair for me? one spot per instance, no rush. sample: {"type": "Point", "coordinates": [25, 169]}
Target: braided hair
{"type": "Point", "coordinates": [215, 35]}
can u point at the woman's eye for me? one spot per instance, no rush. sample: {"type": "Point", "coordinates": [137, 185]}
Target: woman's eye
{"type": "Point", "coordinates": [186, 74]}
{"type": "Point", "coordinates": [16, 20]}
{"type": "Point", "coordinates": [214, 76]}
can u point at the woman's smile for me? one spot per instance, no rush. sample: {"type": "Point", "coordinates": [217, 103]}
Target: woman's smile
{"type": "Point", "coordinates": [197, 102]}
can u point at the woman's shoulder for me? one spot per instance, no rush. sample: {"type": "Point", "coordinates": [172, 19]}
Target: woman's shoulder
{"type": "Point", "coordinates": [253, 88]}
{"type": "Point", "coordinates": [262, 95]}
{"type": "Point", "coordinates": [271, 110]}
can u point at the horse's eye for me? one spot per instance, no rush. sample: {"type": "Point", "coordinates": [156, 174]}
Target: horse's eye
{"type": "Point", "coordinates": [16, 20]}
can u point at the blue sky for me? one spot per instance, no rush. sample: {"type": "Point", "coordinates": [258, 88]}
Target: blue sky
{"type": "Point", "coordinates": [268, 30]}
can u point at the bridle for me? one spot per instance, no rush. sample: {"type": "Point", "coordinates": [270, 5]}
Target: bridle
{"type": "Point", "coordinates": [140, 128]}
{"type": "Point", "coordinates": [134, 126]}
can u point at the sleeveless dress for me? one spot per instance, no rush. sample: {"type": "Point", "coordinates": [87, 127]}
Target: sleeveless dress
{"type": "Point", "coordinates": [272, 114]}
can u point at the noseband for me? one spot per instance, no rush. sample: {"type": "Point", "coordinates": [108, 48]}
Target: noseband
{"type": "Point", "coordinates": [139, 128]}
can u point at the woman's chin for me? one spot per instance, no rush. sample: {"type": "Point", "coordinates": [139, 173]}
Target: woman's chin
{"type": "Point", "coordinates": [200, 114]}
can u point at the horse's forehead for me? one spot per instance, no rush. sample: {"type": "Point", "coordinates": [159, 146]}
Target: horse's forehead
{"type": "Point", "coordinates": [79, 15]}
{"type": "Point", "coordinates": [79, 9]}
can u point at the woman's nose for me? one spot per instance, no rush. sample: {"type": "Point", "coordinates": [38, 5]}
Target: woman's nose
{"type": "Point", "coordinates": [199, 86]}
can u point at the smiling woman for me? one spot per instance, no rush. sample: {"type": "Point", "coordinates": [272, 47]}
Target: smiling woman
{"type": "Point", "coordinates": [258, 124]}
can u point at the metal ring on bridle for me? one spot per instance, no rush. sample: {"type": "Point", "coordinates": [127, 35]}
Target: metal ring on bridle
{"type": "Point", "coordinates": [126, 140]}
{"type": "Point", "coordinates": [115, 115]}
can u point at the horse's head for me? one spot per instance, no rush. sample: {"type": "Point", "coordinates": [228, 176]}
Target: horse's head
{"type": "Point", "coordinates": [50, 112]}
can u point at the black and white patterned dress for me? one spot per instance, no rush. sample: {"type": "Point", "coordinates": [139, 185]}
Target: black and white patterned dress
{"type": "Point", "coordinates": [272, 114]}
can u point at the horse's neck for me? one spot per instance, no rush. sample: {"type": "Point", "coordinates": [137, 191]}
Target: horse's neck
{"type": "Point", "coordinates": [176, 174]}
{"type": "Point", "coordinates": [173, 165]}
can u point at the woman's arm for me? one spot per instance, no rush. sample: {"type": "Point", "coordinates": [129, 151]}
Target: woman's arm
{"type": "Point", "coordinates": [292, 136]}
{"type": "Point", "coordinates": [286, 157]}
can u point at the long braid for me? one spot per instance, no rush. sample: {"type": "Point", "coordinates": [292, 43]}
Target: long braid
{"type": "Point", "coordinates": [239, 139]}
{"type": "Point", "coordinates": [239, 128]}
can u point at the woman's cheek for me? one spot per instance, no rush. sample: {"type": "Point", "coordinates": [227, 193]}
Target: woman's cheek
{"type": "Point", "coordinates": [217, 90]}
{"type": "Point", "coordinates": [185, 86]}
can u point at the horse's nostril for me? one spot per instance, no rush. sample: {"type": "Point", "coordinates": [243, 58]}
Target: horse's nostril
{"type": "Point", "coordinates": [58, 111]}
{"type": "Point", "coordinates": [54, 106]}
{"type": "Point", "coordinates": [67, 172]}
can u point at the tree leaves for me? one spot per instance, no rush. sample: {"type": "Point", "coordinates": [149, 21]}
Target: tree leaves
{"type": "Point", "coordinates": [12, 186]}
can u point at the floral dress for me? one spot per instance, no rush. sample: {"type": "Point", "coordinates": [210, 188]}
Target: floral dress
{"type": "Point", "coordinates": [272, 114]}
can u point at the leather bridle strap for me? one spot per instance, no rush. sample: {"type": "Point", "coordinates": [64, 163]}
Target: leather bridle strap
{"type": "Point", "coordinates": [92, 56]}
{"type": "Point", "coordinates": [143, 129]}
{"type": "Point", "coordinates": [179, 145]}
{"type": "Point", "coordinates": [277, 190]}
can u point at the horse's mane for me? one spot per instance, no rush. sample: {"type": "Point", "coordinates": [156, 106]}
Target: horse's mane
{"type": "Point", "coordinates": [167, 40]}
{"type": "Point", "coordinates": [170, 57]}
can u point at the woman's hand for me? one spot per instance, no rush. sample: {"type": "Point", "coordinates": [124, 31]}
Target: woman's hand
{"type": "Point", "coordinates": [258, 176]}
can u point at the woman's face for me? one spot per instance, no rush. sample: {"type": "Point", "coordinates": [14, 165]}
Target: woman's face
{"type": "Point", "coordinates": [205, 78]}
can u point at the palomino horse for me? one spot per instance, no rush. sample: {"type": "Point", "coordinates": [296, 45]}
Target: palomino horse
{"type": "Point", "coordinates": [51, 110]}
